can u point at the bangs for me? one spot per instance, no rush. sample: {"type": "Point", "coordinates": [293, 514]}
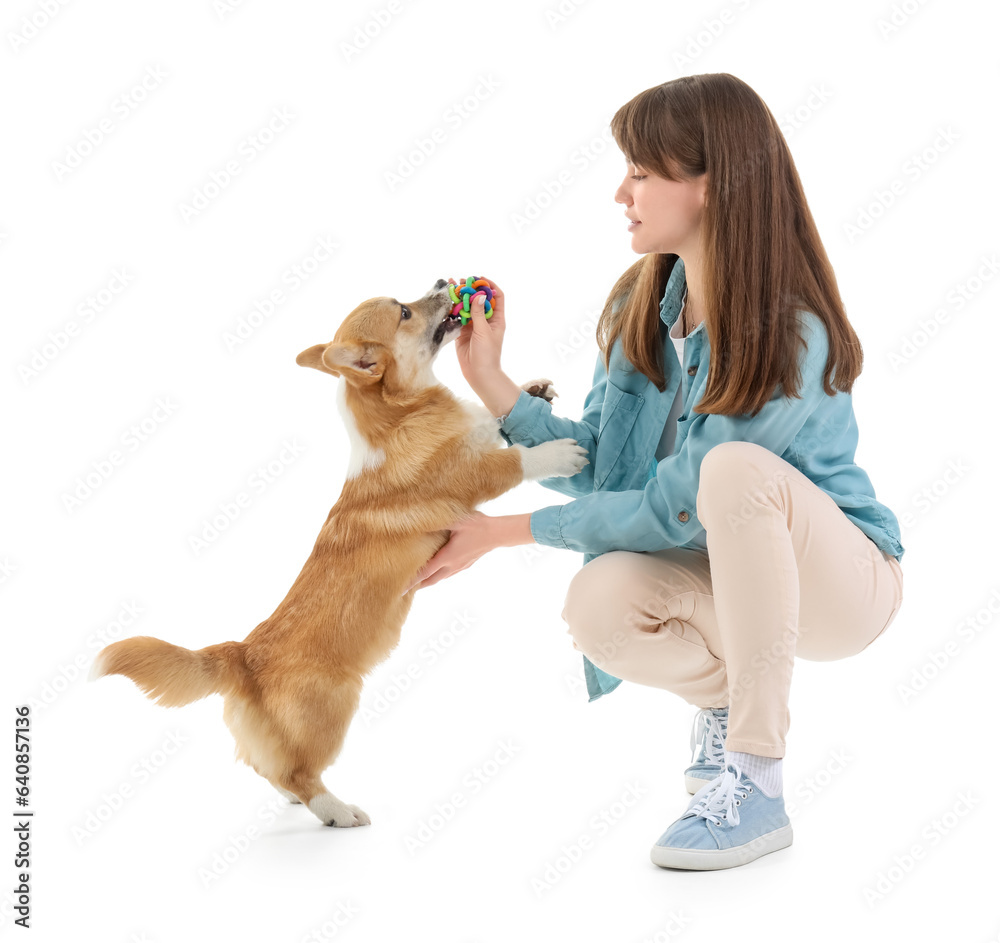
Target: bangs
{"type": "Point", "coordinates": [643, 130]}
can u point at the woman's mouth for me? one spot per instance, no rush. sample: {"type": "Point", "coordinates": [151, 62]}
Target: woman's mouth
{"type": "Point", "coordinates": [632, 225]}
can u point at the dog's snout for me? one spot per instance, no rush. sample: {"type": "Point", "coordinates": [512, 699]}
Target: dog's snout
{"type": "Point", "coordinates": [440, 283]}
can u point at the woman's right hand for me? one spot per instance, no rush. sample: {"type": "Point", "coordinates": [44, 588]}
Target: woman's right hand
{"type": "Point", "coordinates": [480, 340]}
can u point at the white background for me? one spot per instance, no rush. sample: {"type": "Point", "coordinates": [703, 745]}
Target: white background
{"type": "Point", "coordinates": [517, 95]}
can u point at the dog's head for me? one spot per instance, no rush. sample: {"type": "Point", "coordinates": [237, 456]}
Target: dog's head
{"type": "Point", "coordinates": [385, 340]}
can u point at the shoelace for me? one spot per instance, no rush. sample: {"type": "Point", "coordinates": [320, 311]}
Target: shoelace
{"type": "Point", "coordinates": [718, 800]}
{"type": "Point", "coordinates": [714, 747]}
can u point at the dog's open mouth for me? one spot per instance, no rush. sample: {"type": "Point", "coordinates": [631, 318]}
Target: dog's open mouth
{"type": "Point", "coordinates": [449, 324]}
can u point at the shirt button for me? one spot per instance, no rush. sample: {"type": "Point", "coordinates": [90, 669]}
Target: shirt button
{"type": "Point", "coordinates": [683, 517]}
{"type": "Point", "coordinates": [692, 371]}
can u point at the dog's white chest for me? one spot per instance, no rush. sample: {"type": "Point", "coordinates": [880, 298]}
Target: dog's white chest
{"type": "Point", "coordinates": [364, 457]}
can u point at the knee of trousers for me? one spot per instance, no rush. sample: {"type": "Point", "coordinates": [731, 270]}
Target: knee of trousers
{"type": "Point", "coordinates": [732, 473]}
{"type": "Point", "coordinates": [597, 600]}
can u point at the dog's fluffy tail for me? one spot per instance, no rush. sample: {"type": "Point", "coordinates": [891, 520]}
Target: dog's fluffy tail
{"type": "Point", "coordinates": [171, 675]}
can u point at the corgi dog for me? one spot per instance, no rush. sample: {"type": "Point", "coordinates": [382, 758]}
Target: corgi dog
{"type": "Point", "coordinates": [420, 459]}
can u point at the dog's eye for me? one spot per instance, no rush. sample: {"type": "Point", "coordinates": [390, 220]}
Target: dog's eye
{"type": "Point", "coordinates": [404, 313]}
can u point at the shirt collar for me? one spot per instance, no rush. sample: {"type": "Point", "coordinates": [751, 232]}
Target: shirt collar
{"type": "Point", "coordinates": [670, 305]}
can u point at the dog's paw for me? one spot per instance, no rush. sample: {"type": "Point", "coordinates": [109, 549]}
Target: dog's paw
{"type": "Point", "coordinates": [348, 816]}
{"type": "Point", "coordinates": [331, 811]}
{"type": "Point", "coordinates": [560, 458]}
{"type": "Point", "coordinates": [540, 388]}
{"type": "Point", "coordinates": [361, 815]}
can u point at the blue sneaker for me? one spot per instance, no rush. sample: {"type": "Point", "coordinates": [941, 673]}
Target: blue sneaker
{"type": "Point", "coordinates": [709, 732]}
{"type": "Point", "coordinates": [729, 822]}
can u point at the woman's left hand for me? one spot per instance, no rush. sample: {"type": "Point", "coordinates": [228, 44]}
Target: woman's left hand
{"type": "Point", "coordinates": [470, 538]}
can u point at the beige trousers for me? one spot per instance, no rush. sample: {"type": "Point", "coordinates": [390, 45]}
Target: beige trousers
{"type": "Point", "coordinates": [786, 573]}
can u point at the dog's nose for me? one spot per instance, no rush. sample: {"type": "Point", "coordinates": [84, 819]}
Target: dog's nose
{"type": "Point", "coordinates": [440, 283]}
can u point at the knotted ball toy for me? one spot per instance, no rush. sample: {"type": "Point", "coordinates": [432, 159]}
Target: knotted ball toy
{"type": "Point", "coordinates": [462, 295]}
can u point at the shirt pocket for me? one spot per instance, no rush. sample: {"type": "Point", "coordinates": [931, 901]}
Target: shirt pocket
{"type": "Point", "coordinates": [618, 416]}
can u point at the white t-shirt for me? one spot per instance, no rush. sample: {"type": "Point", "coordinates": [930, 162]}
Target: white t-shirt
{"type": "Point", "coordinates": [666, 446]}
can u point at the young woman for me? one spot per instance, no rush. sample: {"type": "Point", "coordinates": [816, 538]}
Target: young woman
{"type": "Point", "coordinates": [725, 526]}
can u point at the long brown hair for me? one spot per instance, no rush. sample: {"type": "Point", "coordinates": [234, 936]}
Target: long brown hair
{"type": "Point", "coordinates": [762, 255]}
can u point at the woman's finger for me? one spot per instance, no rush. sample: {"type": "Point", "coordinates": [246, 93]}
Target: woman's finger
{"type": "Point", "coordinates": [496, 303]}
{"type": "Point", "coordinates": [433, 566]}
{"type": "Point", "coordinates": [417, 580]}
{"type": "Point", "coordinates": [456, 554]}
{"type": "Point", "coordinates": [480, 326]}
{"type": "Point", "coordinates": [439, 574]}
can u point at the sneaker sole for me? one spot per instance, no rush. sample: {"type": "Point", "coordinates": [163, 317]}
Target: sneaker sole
{"type": "Point", "coordinates": [705, 859]}
{"type": "Point", "coordinates": [693, 783]}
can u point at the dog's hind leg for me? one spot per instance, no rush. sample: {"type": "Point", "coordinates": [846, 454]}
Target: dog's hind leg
{"type": "Point", "coordinates": [324, 804]}
{"type": "Point", "coordinates": [316, 722]}
{"type": "Point", "coordinates": [290, 796]}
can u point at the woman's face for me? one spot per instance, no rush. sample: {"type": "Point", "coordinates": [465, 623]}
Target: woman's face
{"type": "Point", "coordinates": [668, 211]}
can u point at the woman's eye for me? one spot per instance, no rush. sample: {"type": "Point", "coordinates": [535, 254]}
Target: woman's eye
{"type": "Point", "coordinates": [638, 176]}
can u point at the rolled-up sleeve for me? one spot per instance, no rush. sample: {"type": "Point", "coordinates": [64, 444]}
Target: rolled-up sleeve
{"type": "Point", "coordinates": [663, 513]}
{"type": "Point", "coordinates": [532, 422]}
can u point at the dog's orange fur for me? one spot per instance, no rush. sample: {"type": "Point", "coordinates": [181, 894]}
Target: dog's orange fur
{"type": "Point", "coordinates": [293, 684]}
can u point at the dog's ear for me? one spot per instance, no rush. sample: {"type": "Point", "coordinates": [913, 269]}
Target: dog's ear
{"type": "Point", "coordinates": [313, 357]}
{"type": "Point", "coordinates": [362, 363]}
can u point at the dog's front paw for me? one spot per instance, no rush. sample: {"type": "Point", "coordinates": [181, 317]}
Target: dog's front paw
{"type": "Point", "coordinates": [541, 388]}
{"type": "Point", "coordinates": [560, 458]}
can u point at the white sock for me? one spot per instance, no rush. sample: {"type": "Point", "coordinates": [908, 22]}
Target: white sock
{"type": "Point", "coordinates": [765, 771]}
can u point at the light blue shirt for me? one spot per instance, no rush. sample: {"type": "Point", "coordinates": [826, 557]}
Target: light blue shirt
{"type": "Point", "coordinates": [627, 500]}
{"type": "Point", "coordinates": [666, 446]}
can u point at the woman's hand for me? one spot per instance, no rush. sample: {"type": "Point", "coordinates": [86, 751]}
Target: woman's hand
{"type": "Point", "coordinates": [479, 342]}
{"type": "Point", "coordinates": [470, 538]}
